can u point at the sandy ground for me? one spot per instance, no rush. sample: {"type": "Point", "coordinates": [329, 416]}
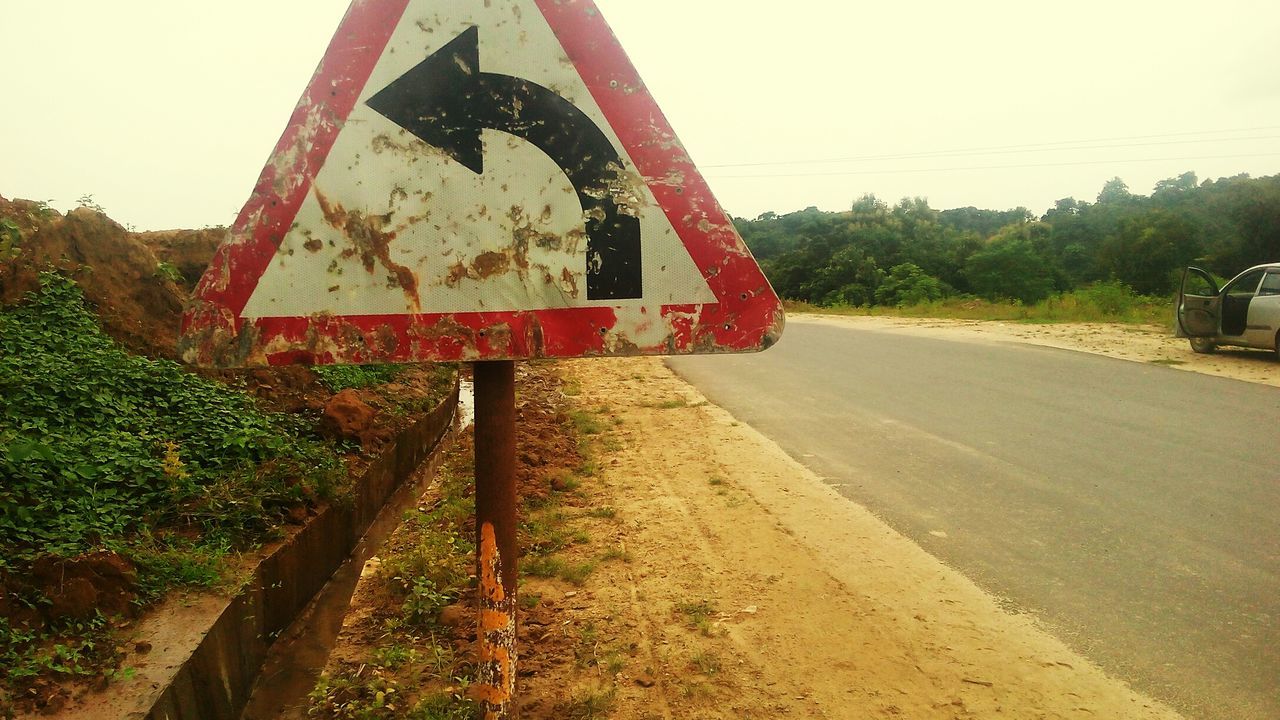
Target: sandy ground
{"type": "Point", "coordinates": [751, 589]}
{"type": "Point", "coordinates": [1139, 343]}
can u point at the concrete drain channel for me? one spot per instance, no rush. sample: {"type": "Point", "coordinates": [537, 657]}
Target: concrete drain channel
{"type": "Point", "coordinates": [266, 650]}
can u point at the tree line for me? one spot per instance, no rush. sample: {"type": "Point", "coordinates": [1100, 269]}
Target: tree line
{"type": "Point", "coordinates": [910, 253]}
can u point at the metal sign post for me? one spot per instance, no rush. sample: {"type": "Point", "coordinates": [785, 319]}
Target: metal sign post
{"type": "Point", "coordinates": [496, 549]}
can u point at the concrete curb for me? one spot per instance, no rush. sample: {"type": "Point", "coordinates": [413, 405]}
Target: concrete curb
{"type": "Point", "coordinates": [216, 681]}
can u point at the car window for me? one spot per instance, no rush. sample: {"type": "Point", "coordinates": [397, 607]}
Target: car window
{"type": "Point", "coordinates": [1270, 284]}
{"type": "Point", "coordinates": [1197, 284]}
{"type": "Point", "coordinates": [1246, 284]}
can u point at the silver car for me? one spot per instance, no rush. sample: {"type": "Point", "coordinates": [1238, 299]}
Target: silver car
{"type": "Point", "coordinates": [1245, 313]}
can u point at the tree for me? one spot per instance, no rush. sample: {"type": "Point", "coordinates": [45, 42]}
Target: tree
{"type": "Point", "coordinates": [1009, 268]}
{"type": "Point", "coordinates": [907, 284]}
{"type": "Point", "coordinates": [1114, 191]}
{"type": "Point", "coordinates": [1169, 190]}
{"type": "Point", "coordinates": [1148, 249]}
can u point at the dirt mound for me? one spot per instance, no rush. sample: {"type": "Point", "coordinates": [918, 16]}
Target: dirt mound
{"type": "Point", "coordinates": [138, 303]}
{"type": "Point", "coordinates": [187, 251]}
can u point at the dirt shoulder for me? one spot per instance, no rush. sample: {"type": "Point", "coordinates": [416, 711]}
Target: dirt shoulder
{"type": "Point", "coordinates": [1137, 343]}
{"type": "Point", "coordinates": [747, 588]}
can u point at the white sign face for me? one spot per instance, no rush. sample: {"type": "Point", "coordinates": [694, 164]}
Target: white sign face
{"type": "Point", "coordinates": [467, 180]}
{"type": "Point", "coordinates": [511, 238]}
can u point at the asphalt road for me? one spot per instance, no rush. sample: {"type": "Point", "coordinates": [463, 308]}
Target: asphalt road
{"type": "Point", "coordinates": [1134, 509]}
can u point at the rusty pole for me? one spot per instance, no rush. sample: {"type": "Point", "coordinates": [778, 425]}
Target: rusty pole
{"type": "Point", "coordinates": [495, 406]}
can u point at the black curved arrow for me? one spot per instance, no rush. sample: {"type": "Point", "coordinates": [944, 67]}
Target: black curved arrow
{"type": "Point", "coordinates": [447, 102]}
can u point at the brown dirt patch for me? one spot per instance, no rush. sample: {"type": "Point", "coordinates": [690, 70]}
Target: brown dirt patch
{"type": "Point", "coordinates": [188, 251]}
{"type": "Point", "coordinates": [740, 586]}
{"type": "Point", "coordinates": [118, 273]}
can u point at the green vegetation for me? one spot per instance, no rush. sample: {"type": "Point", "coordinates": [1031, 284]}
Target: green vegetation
{"type": "Point", "coordinates": [586, 423]}
{"type": "Point", "coordinates": [590, 704]}
{"type": "Point", "coordinates": [432, 568]}
{"type": "Point", "coordinates": [347, 377]}
{"type": "Point", "coordinates": [412, 671]}
{"type": "Point", "coordinates": [168, 271]}
{"type": "Point", "coordinates": [10, 239]}
{"type": "Point", "coordinates": [1123, 247]}
{"type": "Point", "coordinates": [103, 450]}
{"type": "Point", "coordinates": [698, 615]}
{"type": "Point", "coordinates": [1102, 302]}
{"type": "Point", "coordinates": [706, 662]}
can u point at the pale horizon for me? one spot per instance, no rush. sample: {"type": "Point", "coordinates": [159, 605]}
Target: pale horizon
{"type": "Point", "coordinates": [166, 114]}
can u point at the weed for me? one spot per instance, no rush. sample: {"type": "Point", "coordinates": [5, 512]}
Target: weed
{"type": "Point", "coordinates": [616, 553]}
{"type": "Point", "coordinates": [355, 699]}
{"type": "Point", "coordinates": [566, 482]}
{"type": "Point", "coordinates": [444, 707]}
{"type": "Point", "coordinates": [577, 574]}
{"type": "Point", "coordinates": [168, 271]}
{"type": "Point", "coordinates": [716, 480]}
{"type": "Point", "coordinates": [698, 690]}
{"type": "Point", "coordinates": [348, 377]}
{"type": "Point", "coordinates": [394, 656]}
{"type": "Point", "coordinates": [706, 662]}
{"type": "Point", "coordinates": [586, 423]}
{"type": "Point", "coordinates": [580, 537]}
{"type": "Point", "coordinates": [87, 201]}
{"type": "Point", "coordinates": [10, 239]}
{"type": "Point", "coordinates": [698, 615]}
{"type": "Point", "coordinates": [614, 662]}
{"type": "Point", "coordinates": [588, 634]}
{"type": "Point", "coordinates": [529, 601]}
{"type": "Point", "coordinates": [665, 405]}
{"type": "Point", "coordinates": [543, 567]}
{"type": "Point", "coordinates": [547, 567]}
{"type": "Point", "coordinates": [544, 533]}
{"type": "Point", "coordinates": [442, 657]}
{"type": "Point", "coordinates": [606, 512]}
{"type": "Point", "coordinates": [589, 704]}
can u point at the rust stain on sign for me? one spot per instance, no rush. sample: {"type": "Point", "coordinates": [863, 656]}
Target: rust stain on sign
{"type": "Point", "coordinates": [489, 264]}
{"type": "Point", "coordinates": [372, 243]}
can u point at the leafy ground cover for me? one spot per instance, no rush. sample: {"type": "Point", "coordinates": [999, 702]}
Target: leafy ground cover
{"type": "Point", "coordinates": [154, 473]}
{"type": "Point", "coordinates": [350, 377]}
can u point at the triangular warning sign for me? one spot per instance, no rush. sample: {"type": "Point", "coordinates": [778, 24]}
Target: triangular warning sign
{"type": "Point", "coordinates": [477, 181]}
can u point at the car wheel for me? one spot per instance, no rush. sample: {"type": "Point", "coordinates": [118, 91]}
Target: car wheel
{"type": "Point", "coordinates": [1278, 346]}
{"type": "Point", "coordinates": [1203, 345]}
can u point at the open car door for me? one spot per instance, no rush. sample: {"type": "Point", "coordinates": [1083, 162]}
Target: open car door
{"type": "Point", "coordinates": [1199, 304]}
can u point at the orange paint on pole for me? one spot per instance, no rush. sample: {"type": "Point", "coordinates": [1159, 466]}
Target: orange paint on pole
{"type": "Point", "coordinates": [497, 678]}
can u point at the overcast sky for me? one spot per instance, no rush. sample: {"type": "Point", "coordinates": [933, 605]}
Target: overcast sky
{"type": "Point", "coordinates": [165, 110]}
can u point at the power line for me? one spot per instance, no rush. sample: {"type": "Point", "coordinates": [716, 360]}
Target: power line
{"type": "Point", "coordinates": [957, 153]}
{"type": "Point", "coordinates": [1025, 148]}
{"type": "Point", "coordinates": [992, 167]}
